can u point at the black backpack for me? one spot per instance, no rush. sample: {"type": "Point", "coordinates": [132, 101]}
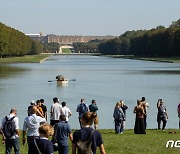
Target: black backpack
{"type": "Point", "coordinates": [84, 147]}
{"type": "Point", "coordinates": [9, 127]}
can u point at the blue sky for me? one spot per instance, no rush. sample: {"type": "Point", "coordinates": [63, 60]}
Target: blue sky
{"type": "Point", "coordinates": [87, 17]}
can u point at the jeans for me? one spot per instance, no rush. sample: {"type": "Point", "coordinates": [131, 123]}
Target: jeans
{"type": "Point", "coordinates": [119, 126]}
{"type": "Point", "coordinates": [63, 149]}
{"type": "Point", "coordinates": [12, 143]}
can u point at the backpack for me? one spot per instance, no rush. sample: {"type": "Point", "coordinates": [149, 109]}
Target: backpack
{"type": "Point", "coordinates": [9, 127]}
{"type": "Point", "coordinates": [84, 147]}
{"type": "Point", "coordinates": [83, 108]}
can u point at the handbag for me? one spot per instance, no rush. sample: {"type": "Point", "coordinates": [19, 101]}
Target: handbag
{"type": "Point", "coordinates": [37, 146]}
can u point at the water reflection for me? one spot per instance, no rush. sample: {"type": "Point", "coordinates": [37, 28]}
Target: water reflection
{"type": "Point", "coordinates": [152, 72]}
{"type": "Point", "coordinates": [166, 72]}
{"type": "Point", "coordinates": [8, 71]}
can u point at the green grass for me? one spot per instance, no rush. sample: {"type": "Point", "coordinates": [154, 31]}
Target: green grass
{"type": "Point", "coordinates": [25, 59]}
{"type": "Point", "coordinates": [66, 50]}
{"type": "Point", "coordinates": [154, 142]}
{"type": "Point", "coordinates": [160, 59]}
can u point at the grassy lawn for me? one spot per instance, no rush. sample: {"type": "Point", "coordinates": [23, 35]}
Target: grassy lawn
{"type": "Point", "coordinates": [162, 59]}
{"type": "Point", "coordinates": [66, 50]}
{"type": "Point", "coordinates": [25, 59]}
{"type": "Point", "coordinates": [153, 142]}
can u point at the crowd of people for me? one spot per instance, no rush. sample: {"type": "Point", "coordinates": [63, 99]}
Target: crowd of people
{"type": "Point", "coordinates": [140, 111]}
{"type": "Point", "coordinates": [36, 130]}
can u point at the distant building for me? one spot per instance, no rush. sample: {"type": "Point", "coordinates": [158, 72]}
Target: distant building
{"type": "Point", "coordinates": [68, 40]}
{"type": "Point", "coordinates": [36, 37]}
{"type": "Point", "coordinates": [73, 39]}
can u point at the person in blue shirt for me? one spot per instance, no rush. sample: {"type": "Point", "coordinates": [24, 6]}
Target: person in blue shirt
{"type": "Point", "coordinates": [82, 108]}
{"type": "Point", "coordinates": [62, 132]}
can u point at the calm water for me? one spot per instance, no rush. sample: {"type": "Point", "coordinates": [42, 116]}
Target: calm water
{"type": "Point", "coordinates": [107, 80]}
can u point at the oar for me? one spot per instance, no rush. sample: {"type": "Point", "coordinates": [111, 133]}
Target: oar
{"type": "Point", "coordinates": [52, 80]}
{"type": "Point", "coordinates": [72, 80]}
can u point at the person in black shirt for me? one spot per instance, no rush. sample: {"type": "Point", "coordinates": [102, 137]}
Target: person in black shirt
{"type": "Point", "coordinates": [44, 108]}
{"type": "Point", "coordinates": [83, 134]}
{"type": "Point", "coordinates": [42, 144]}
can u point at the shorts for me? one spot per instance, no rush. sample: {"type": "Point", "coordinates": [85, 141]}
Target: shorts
{"type": "Point", "coordinates": [96, 121]}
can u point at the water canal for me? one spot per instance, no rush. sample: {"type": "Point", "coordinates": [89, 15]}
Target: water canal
{"type": "Point", "coordinates": [107, 80]}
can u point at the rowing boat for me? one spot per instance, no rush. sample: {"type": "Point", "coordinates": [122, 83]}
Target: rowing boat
{"type": "Point", "coordinates": [60, 82]}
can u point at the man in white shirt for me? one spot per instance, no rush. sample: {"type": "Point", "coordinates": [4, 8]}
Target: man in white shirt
{"type": "Point", "coordinates": [12, 140]}
{"type": "Point", "coordinates": [55, 112]}
{"type": "Point", "coordinates": [66, 111]}
{"type": "Point", "coordinates": [31, 125]}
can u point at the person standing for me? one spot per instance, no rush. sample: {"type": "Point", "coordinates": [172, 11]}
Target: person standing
{"type": "Point", "coordinates": [62, 131]}
{"type": "Point", "coordinates": [55, 112]}
{"type": "Point", "coordinates": [44, 108]}
{"type": "Point", "coordinates": [178, 110]}
{"type": "Point", "coordinates": [66, 111]}
{"type": "Point", "coordinates": [118, 116]}
{"type": "Point", "coordinates": [94, 108]}
{"type": "Point", "coordinates": [38, 105]}
{"type": "Point", "coordinates": [162, 114]}
{"type": "Point", "coordinates": [124, 108]}
{"type": "Point", "coordinates": [83, 134]}
{"type": "Point", "coordinates": [145, 104]}
{"type": "Point", "coordinates": [139, 121]}
{"type": "Point", "coordinates": [31, 125]}
{"type": "Point", "coordinates": [42, 145]}
{"type": "Point", "coordinates": [32, 103]}
{"type": "Point", "coordinates": [82, 108]}
{"type": "Point", "coordinates": [11, 140]}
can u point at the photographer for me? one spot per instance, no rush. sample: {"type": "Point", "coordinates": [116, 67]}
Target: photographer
{"type": "Point", "coordinates": [162, 114]}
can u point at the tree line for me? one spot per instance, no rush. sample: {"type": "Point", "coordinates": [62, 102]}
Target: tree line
{"type": "Point", "coordinates": [89, 47]}
{"type": "Point", "coordinates": [16, 43]}
{"type": "Point", "coordinates": [156, 42]}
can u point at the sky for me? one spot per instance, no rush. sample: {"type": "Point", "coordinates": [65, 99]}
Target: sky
{"type": "Point", "coordinates": [87, 17]}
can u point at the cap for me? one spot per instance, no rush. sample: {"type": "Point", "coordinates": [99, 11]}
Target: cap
{"type": "Point", "coordinates": [32, 102]}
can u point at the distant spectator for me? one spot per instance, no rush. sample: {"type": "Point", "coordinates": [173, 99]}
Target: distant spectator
{"type": "Point", "coordinates": [66, 111]}
{"type": "Point", "coordinates": [44, 108]}
{"type": "Point", "coordinates": [55, 112]}
{"type": "Point", "coordinates": [124, 108]}
{"type": "Point", "coordinates": [62, 132]}
{"type": "Point", "coordinates": [38, 105]}
{"type": "Point", "coordinates": [93, 108]}
{"type": "Point", "coordinates": [82, 108]}
{"type": "Point", "coordinates": [145, 104]}
{"type": "Point", "coordinates": [118, 116]}
{"type": "Point", "coordinates": [32, 103]}
{"type": "Point", "coordinates": [178, 110]}
{"type": "Point", "coordinates": [139, 121]}
{"type": "Point", "coordinates": [162, 114]}
{"type": "Point", "coordinates": [12, 140]}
